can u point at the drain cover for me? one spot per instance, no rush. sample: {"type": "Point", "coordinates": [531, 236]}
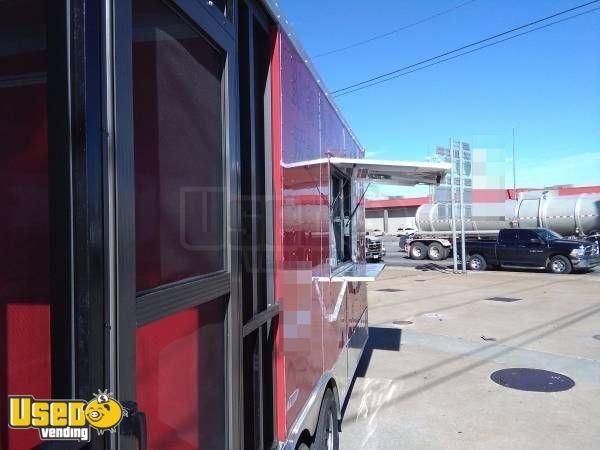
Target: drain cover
{"type": "Point", "coordinates": [390, 290]}
{"type": "Point", "coordinates": [534, 380]}
{"type": "Point", "coordinates": [503, 299]}
{"type": "Point", "coordinates": [420, 280]}
{"type": "Point", "coordinates": [402, 322]}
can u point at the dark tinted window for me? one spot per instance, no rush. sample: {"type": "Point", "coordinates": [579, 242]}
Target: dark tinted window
{"type": "Point", "coordinates": [178, 131]}
{"type": "Point", "coordinates": [508, 236]}
{"type": "Point", "coordinates": [548, 235]}
{"type": "Point", "coordinates": [340, 217]}
{"type": "Point", "coordinates": [526, 235]}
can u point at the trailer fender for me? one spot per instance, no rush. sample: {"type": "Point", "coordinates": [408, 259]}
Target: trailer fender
{"type": "Point", "coordinates": [309, 415]}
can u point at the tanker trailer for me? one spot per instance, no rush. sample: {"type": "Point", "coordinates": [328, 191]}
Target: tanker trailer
{"type": "Point", "coordinates": [569, 215]}
{"type": "Point", "coordinates": [437, 218]}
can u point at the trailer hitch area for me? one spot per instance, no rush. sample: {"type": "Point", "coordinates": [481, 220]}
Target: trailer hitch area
{"type": "Point", "coordinates": [134, 424]}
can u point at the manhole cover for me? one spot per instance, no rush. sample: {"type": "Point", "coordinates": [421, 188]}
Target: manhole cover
{"type": "Point", "coordinates": [534, 380]}
{"type": "Point", "coordinates": [503, 299]}
{"type": "Point", "coordinates": [596, 336]}
{"type": "Point", "coordinates": [402, 322]}
{"type": "Point", "coordinates": [390, 290]}
{"type": "Point", "coordinates": [420, 280]}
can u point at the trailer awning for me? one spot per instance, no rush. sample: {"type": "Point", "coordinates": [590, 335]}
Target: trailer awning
{"type": "Point", "coordinates": [400, 173]}
{"type": "Point", "coordinates": [403, 173]}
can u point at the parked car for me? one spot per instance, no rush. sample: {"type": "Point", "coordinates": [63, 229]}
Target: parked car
{"type": "Point", "coordinates": [533, 248]}
{"type": "Point", "coordinates": [405, 231]}
{"type": "Point", "coordinates": [375, 232]}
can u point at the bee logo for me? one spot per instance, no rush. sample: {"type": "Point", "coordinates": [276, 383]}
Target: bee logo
{"type": "Point", "coordinates": [104, 412]}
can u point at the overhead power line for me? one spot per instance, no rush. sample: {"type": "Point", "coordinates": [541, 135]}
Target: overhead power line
{"type": "Point", "coordinates": [392, 32]}
{"type": "Point", "coordinates": [388, 76]}
{"type": "Point", "coordinates": [465, 53]}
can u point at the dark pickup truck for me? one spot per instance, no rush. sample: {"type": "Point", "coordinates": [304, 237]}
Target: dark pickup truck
{"type": "Point", "coordinates": [532, 248]}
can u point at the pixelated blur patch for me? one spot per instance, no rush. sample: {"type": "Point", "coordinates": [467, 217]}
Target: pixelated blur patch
{"type": "Point", "coordinates": [297, 304]}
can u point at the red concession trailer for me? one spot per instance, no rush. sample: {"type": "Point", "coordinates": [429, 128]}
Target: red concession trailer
{"type": "Point", "coordinates": [182, 224]}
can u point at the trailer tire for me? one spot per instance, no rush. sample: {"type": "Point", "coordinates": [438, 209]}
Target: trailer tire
{"type": "Point", "coordinates": [418, 251]}
{"type": "Point", "coordinates": [476, 262]}
{"type": "Point", "coordinates": [327, 433]}
{"type": "Point", "coordinates": [436, 252]}
{"type": "Point", "coordinates": [560, 264]}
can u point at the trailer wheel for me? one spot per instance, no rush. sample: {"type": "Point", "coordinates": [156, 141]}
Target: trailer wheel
{"type": "Point", "coordinates": [327, 434]}
{"type": "Point", "coordinates": [418, 251]}
{"type": "Point", "coordinates": [436, 251]}
{"type": "Point", "coordinates": [560, 264]}
{"type": "Point", "coordinates": [476, 262]}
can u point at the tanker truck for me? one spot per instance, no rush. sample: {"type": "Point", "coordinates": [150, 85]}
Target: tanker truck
{"type": "Point", "coordinates": [576, 216]}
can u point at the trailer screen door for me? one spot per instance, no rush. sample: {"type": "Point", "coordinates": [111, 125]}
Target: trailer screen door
{"type": "Point", "coordinates": [179, 212]}
{"type": "Point", "coordinates": [176, 368]}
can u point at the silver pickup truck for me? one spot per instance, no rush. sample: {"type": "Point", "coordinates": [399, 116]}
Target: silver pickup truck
{"type": "Point", "coordinates": [375, 250]}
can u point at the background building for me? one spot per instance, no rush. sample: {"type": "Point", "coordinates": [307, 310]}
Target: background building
{"type": "Point", "coordinates": [393, 213]}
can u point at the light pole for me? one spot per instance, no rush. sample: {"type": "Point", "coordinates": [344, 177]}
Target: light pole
{"type": "Point", "coordinates": [453, 205]}
{"type": "Point", "coordinates": [461, 175]}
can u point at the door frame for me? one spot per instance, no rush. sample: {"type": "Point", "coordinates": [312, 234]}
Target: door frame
{"type": "Point", "coordinates": [260, 312]}
{"type": "Point", "coordinates": [124, 304]}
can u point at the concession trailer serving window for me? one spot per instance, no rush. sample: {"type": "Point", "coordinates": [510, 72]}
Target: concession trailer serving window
{"type": "Point", "coordinates": [349, 180]}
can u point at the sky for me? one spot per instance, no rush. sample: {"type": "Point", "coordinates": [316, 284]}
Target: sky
{"type": "Point", "coordinates": [545, 85]}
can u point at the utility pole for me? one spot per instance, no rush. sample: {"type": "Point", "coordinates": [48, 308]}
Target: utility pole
{"type": "Point", "coordinates": [452, 202]}
{"type": "Point", "coordinates": [462, 206]}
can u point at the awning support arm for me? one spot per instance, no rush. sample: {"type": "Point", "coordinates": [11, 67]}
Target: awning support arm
{"type": "Point", "coordinates": [359, 202]}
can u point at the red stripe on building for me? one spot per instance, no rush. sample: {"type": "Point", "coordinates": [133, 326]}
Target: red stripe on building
{"type": "Point", "coordinates": [397, 202]}
{"type": "Point", "coordinates": [579, 190]}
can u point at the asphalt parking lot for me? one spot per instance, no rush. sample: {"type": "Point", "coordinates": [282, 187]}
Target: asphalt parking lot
{"type": "Point", "coordinates": [436, 338]}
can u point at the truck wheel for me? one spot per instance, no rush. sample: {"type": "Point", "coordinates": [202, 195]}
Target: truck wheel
{"type": "Point", "coordinates": [436, 251]}
{"type": "Point", "coordinates": [560, 264]}
{"type": "Point", "coordinates": [476, 262]}
{"type": "Point", "coordinates": [326, 436]}
{"type": "Point", "coordinates": [418, 250]}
